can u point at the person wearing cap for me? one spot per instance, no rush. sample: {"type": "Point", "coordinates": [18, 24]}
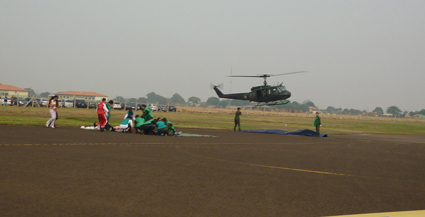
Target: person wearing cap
{"type": "Point", "coordinates": [147, 113]}
{"type": "Point", "coordinates": [317, 123]}
{"type": "Point", "coordinates": [237, 119]}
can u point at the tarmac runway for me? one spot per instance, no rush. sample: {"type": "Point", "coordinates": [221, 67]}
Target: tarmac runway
{"type": "Point", "coordinates": [73, 172]}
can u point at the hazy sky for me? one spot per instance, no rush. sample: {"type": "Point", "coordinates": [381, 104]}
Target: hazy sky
{"type": "Point", "coordinates": [359, 54]}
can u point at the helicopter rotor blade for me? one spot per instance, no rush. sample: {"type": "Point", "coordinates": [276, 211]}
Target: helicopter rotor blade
{"type": "Point", "coordinates": [289, 73]}
{"type": "Point", "coordinates": [243, 76]}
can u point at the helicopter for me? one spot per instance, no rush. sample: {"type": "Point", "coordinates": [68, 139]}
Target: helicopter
{"type": "Point", "coordinates": [261, 95]}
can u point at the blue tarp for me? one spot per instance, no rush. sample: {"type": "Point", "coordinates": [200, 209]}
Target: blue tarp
{"type": "Point", "coordinates": [305, 132]}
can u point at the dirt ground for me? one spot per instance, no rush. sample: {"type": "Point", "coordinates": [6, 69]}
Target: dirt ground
{"type": "Point", "coordinates": [73, 172]}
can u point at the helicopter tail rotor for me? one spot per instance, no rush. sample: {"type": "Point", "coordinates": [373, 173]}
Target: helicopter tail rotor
{"type": "Point", "coordinates": [220, 86]}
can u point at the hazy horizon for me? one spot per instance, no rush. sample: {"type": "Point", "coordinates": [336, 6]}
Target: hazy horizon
{"type": "Point", "coordinates": [359, 54]}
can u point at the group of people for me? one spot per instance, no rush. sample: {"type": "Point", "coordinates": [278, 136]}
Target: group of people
{"type": "Point", "coordinates": [143, 124]}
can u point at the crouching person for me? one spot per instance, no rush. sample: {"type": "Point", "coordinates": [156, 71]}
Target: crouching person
{"type": "Point", "coordinates": [171, 131]}
{"type": "Point", "coordinates": [162, 127]}
{"type": "Point", "coordinates": [127, 124]}
{"type": "Point", "coordinates": [145, 127]}
{"type": "Point", "coordinates": [138, 124]}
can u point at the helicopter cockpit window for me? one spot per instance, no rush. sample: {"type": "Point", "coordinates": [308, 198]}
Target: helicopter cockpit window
{"type": "Point", "coordinates": [281, 89]}
{"type": "Point", "coordinates": [274, 89]}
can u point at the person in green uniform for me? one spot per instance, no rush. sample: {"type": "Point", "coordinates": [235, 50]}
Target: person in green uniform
{"type": "Point", "coordinates": [108, 105]}
{"type": "Point", "coordinates": [317, 123]}
{"type": "Point", "coordinates": [171, 131]}
{"type": "Point", "coordinates": [161, 126]}
{"type": "Point", "coordinates": [237, 119]}
{"type": "Point", "coordinates": [138, 123]}
{"type": "Point", "coordinates": [147, 113]}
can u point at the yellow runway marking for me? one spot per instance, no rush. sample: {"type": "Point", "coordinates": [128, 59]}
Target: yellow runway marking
{"type": "Point", "coordinates": [418, 213]}
{"type": "Point", "coordinates": [265, 166]}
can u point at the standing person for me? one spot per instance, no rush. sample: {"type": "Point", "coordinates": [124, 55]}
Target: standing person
{"type": "Point", "coordinates": [53, 112]}
{"type": "Point", "coordinates": [102, 114]}
{"type": "Point", "coordinates": [57, 105]}
{"type": "Point", "coordinates": [317, 123]}
{"type": "Point", "coordinates": [108, 105]}
{"type": "Point", "coordinates": [147, 113]}
{"type": "Point", "coordinates": [237, 119]}
{"type": "Point", "coordinates": [5, 101]}
{"type": "Point", "coordinates": [11, 101]}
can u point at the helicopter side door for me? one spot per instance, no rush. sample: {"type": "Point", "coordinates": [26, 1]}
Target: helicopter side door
{"type": "Point", "coordinates": [262, 94]}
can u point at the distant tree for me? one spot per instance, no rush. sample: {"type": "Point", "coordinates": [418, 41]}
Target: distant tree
{"type": "Point", "coordinates": [213, 101]}
{"type": "Point", "coordinates": [31, 92]}
{"type": "Point", "coordinates": [176, 98]}
{"type": "Point", "coordinates": [132, 100]}
{"type": "Point", "coordinates": [309, 103]}
{"type": "Point", "coordinates": [239, 102]}
{"type": "Point", "coordinates": [354, 111]}
{"type": "Point", "coordinates": [303, 107]}
{"type": "Point", "coordinates": [394, 110]}
{"type": "Point", "coordinates": [422, 112]}
{"type": "Point", "coordinates": [345, 111]}
{"type": "Point", "coordinates": [405, 113]}
{"type": "Point", "coordinates": [194, 99]}
{"type": "Point", "coordinates": [330, 109]}
{"type": "Point", "coordinates": [153, 98]}
{"type": "Point", "coordinates": [379, 110]}
{"type": "Point", "coordinates": [119, 99]}
{"type": "Point", "coordinates": [45, 94]}
{"type": "Point", "coordinates": [295, 103]}
{"type": "Point", "coordinates": [142, 100]}
{"type": "Point", "coordinates": [224, 103]}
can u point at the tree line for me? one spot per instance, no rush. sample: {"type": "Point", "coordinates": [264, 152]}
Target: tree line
{"type": "Point", "coordinates": [215, 101]}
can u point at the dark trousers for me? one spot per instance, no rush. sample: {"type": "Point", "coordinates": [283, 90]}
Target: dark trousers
{"type": "Point", "coordinates": [237, 123]}
{"type": "Point", "coordinates": [108, 126]}
{"type": "Point", "coordinates": [318, 129]}
{"type": "Point", "coordinates": [147, 129]}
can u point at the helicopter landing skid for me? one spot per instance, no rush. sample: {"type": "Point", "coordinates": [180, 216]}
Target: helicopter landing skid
{"type": "Point", "coordinates": [279, 102]}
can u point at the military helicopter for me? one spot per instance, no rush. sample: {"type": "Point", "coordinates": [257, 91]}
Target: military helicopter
{"type": "Point", "coordinates": [262, 95]}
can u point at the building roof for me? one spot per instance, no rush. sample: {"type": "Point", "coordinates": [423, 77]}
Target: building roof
{"type": "Point", "coordinates": [80, 93]}
{"type": "Point", "coordinates": [11, 87]}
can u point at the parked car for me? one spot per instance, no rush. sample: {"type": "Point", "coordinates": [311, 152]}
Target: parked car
{"type": "Point", "coordinates": [92, 105]}
{"type": "Point", "coordinates": [139, 107]}
{"type": "Point", "coordinates": [80, 103]}
{"type": "Point", "coordinates": [67, 103]}
{"type": "Point", "coordinates": [22, 101]}
{"type": "Point", "coordinates": [2, 101]}
{"type": "Point", "coordinates": [131, 105]}
{"type": "Point", "coordinates": [172, 108]}
{"type": "Point", "coordinates": [162, 108]}
{"type": "Point", "coordinates": [43, 102]}
{"type": "Point", "coordinates": [117, 105]}
{"type": "Point", "coordinates": [152, 107]}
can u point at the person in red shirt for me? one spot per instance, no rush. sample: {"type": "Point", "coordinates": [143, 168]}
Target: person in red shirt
{"type": "Point", "coordinates": [102, 114]}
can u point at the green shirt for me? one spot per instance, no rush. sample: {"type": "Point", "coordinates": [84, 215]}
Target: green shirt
{"type": "Point", "coordinates": [147, 112]}
{"type": "Point", "coordinates": [170, 126]}
{"type": "Point", "coordinates": [109, 108]}
{"type": "Point", "coordinates": [317, 121]}
{"type": "Point", "coordinates": [139, 121]}
{"type": "Point", "coordinates": [238, 113]}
